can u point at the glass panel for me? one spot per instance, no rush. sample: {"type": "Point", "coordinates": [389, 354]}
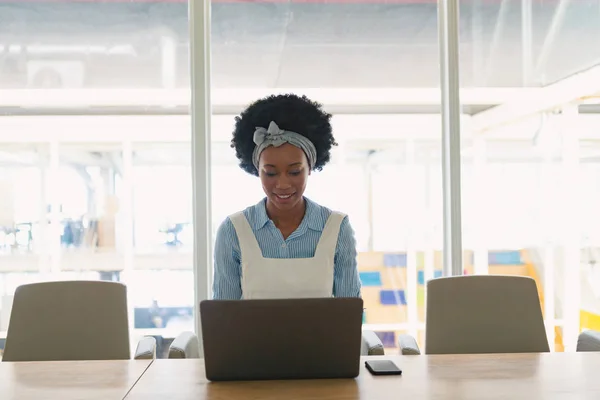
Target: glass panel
{"type": "Point", "coordinates": [163, 238]}
{"type": "Point", "coordinates": [359, 60]}
{"type": "Point", "coordinates": [530, 175]}
{"type": "Point", "coordinates": [95, 154]}
{"type": "Point", "coordinates": [526, 43]}
{"type": "Point", "coordinates": [325, 45]}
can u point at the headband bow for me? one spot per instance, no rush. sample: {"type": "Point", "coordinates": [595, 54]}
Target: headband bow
{"type": "Point", "coordinates": [274, 136]}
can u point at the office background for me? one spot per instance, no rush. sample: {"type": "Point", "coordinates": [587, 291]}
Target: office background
{"type": "Point", "coordinates": [96, 144]}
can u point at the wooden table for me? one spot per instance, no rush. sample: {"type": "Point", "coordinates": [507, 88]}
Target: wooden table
{"type": "Point", "coordinates": [567, 376]}
{"type": "Point", "coordinates": [66, 380]}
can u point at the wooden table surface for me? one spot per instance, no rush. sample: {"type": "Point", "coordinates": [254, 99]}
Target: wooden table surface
{"type": "Point", "coordinates": [568, 376]}
{"type": "Point", "coordinates": [69, 380]}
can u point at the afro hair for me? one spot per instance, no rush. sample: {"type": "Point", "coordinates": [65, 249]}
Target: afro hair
{"type": "Point", "coordinates": [290, 112]}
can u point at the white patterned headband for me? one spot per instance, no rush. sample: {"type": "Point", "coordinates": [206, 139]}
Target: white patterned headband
{"type": "Point", "coordinates": [276, 137]}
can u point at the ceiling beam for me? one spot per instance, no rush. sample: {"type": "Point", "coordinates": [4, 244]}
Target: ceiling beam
{"type": "Point", "coordinates": [106, 133]}
{"type": "Point", "coordinates": [174, 129]}
{"type": "Point", "coordinates": [572, 89]}
{"type": "Point", "coordinates": [229, 110]}
{"type": "Point", "coordinates": [235, 99]}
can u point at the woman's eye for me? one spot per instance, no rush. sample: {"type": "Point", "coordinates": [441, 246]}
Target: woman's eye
{"type": "Point", "coordinates": [271, 174]}
{"type": "Point", "coordinates": [295, 173]}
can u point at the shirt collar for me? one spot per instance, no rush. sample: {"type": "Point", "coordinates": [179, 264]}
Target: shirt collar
{"type": "Point", "coordinates": [312, 216]}
{"type": "Point", "coordinates": [260, 214]}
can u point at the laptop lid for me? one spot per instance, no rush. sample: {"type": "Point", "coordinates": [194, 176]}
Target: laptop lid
{"type": "Point", "coordinates": [281, 339]}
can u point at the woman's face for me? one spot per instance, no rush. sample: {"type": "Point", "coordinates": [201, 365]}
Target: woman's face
{"type": "Point", "coordinates": [283, 173]}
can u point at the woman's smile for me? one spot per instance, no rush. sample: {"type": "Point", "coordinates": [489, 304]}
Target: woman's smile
{"type": "Point", "coordinates": [284, 198]}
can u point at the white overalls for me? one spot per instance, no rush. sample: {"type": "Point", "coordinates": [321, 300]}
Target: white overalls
{"type": "Point", "coordinates": [277, 278]}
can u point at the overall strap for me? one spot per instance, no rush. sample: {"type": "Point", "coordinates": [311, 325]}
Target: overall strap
{"type": "Point", "coordinates": [248, 244]}
{"type": "Point", "coordinates": [329, 238]}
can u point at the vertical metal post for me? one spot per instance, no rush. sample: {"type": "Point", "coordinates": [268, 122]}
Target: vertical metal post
{"type": "Point", "coordinates": [571, 231]}
{"type": "Point", "coordinates": [526, 41]}
{"type": "Point", "coordinates": [448, 20]}
{"type": "Point", "coordinates": [127, 227]}
{"type": "Point", "coordinates": [429, 251]}
{"type": "Point", "coordinates": [41, 245]}
{"type": "Point", "coordinates": [480, 255]}
{"type": "Point", "coordinates": [549, 293]}
{"type": "Point", "coordinates": [369, 184]}
{"type": "Point", "coordinates": [411, 251]}
{"type": "Point", "coordinates": [127, 207]}
{"type": "Point", "coordinates": [201, 150]}
{"type": "Point", "coordinates": [547, 211]}
{"type": "Point", "coordinates": [55, 210]}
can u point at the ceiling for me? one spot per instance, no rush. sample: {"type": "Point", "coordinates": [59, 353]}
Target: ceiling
{"type": "Point", "coordinates": [293, 44]}
{"type": "Point", "coordinates": [283, 45]}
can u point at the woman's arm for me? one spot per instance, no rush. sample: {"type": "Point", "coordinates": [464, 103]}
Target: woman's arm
{"type": "Point", "coordinates": [227, 275]}
{"type": "Point", "coordinates": [346, 282]}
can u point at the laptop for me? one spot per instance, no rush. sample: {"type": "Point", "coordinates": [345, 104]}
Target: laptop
{"type": "Point", "coordinates": [281, 339]}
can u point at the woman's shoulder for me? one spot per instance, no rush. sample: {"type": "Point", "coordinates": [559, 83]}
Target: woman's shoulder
{"type": "Point", "coordinates": [227, 228]}
{"type": "Point", "coordinates": [252, 214]}
{"type": "Point", "coordinates": [322, 213]}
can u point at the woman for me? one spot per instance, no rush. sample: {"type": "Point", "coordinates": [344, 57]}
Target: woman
{"type": "Point", "coordinates": [285, 246]}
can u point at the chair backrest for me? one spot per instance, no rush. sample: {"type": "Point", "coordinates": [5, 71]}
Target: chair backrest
{"type": "Point", "coordinates": [70, 320]}
{"type": "Point", "coordinates": [588, 341]}
{"type": "Point", "coordinates": [185, 345]}
{"type": "Point", "coordinates": [484, 314]}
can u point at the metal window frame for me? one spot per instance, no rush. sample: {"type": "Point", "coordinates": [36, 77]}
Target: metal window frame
{"type": "Point", "coordinates": [199, 12]}
{"type": "Point", "coordinates": [448, 29]}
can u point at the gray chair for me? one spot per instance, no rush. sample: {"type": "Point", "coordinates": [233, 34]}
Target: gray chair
{"type": "Point", "coordinates": [186, 345]}
{"type": "Point", "coordinates": [72, 320]}
{"type": "Point", "coordinates": [588, 341]}
{"type": "Point", "coordinates": [481, 314]}
{"type": "Point", "coordinates": [371, 344]}
{"type": "Point", "coordinates": [408, 345]}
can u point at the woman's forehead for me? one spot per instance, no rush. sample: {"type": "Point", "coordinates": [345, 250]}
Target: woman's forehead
{"type": "Point", "coordinates": [285, 154]}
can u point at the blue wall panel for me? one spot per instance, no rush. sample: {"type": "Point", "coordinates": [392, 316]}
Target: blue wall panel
{"type": "Point", "coordinates": [421, 275]}
{"type": "Point", "coordinates": [505, 258]}
{"type": "Point", "coordinates": [370, 278]}
{"type": "Point", "coordinates": [392, 297]}
{"type": "Point", "coordinates": [394, 260]}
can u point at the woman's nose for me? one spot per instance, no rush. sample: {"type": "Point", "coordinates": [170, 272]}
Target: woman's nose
{"type": "Point", "coordinates": [282, 183]}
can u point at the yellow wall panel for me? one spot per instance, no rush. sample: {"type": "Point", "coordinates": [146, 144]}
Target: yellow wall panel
{"type": "Point", "coordinates": [519, 270]}
{"type": "Point", "coordinates": [370, 260]}
{"type": "Point", "coordinates": [589, 320]}
{"type": "Point", "coordinates": [370, 296]}
{"type": "Point", "coordinates": [386, 315]}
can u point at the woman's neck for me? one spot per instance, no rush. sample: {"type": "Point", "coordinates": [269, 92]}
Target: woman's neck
{"type": "Point", "coordinates": [288, 218]}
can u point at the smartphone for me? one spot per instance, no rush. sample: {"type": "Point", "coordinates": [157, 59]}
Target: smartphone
{"type": "Point", "coordinates": [382, 367]}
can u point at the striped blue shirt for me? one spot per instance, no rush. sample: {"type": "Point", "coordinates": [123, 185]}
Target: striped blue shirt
{"type": "Point", "coordinates": [302, 243]}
